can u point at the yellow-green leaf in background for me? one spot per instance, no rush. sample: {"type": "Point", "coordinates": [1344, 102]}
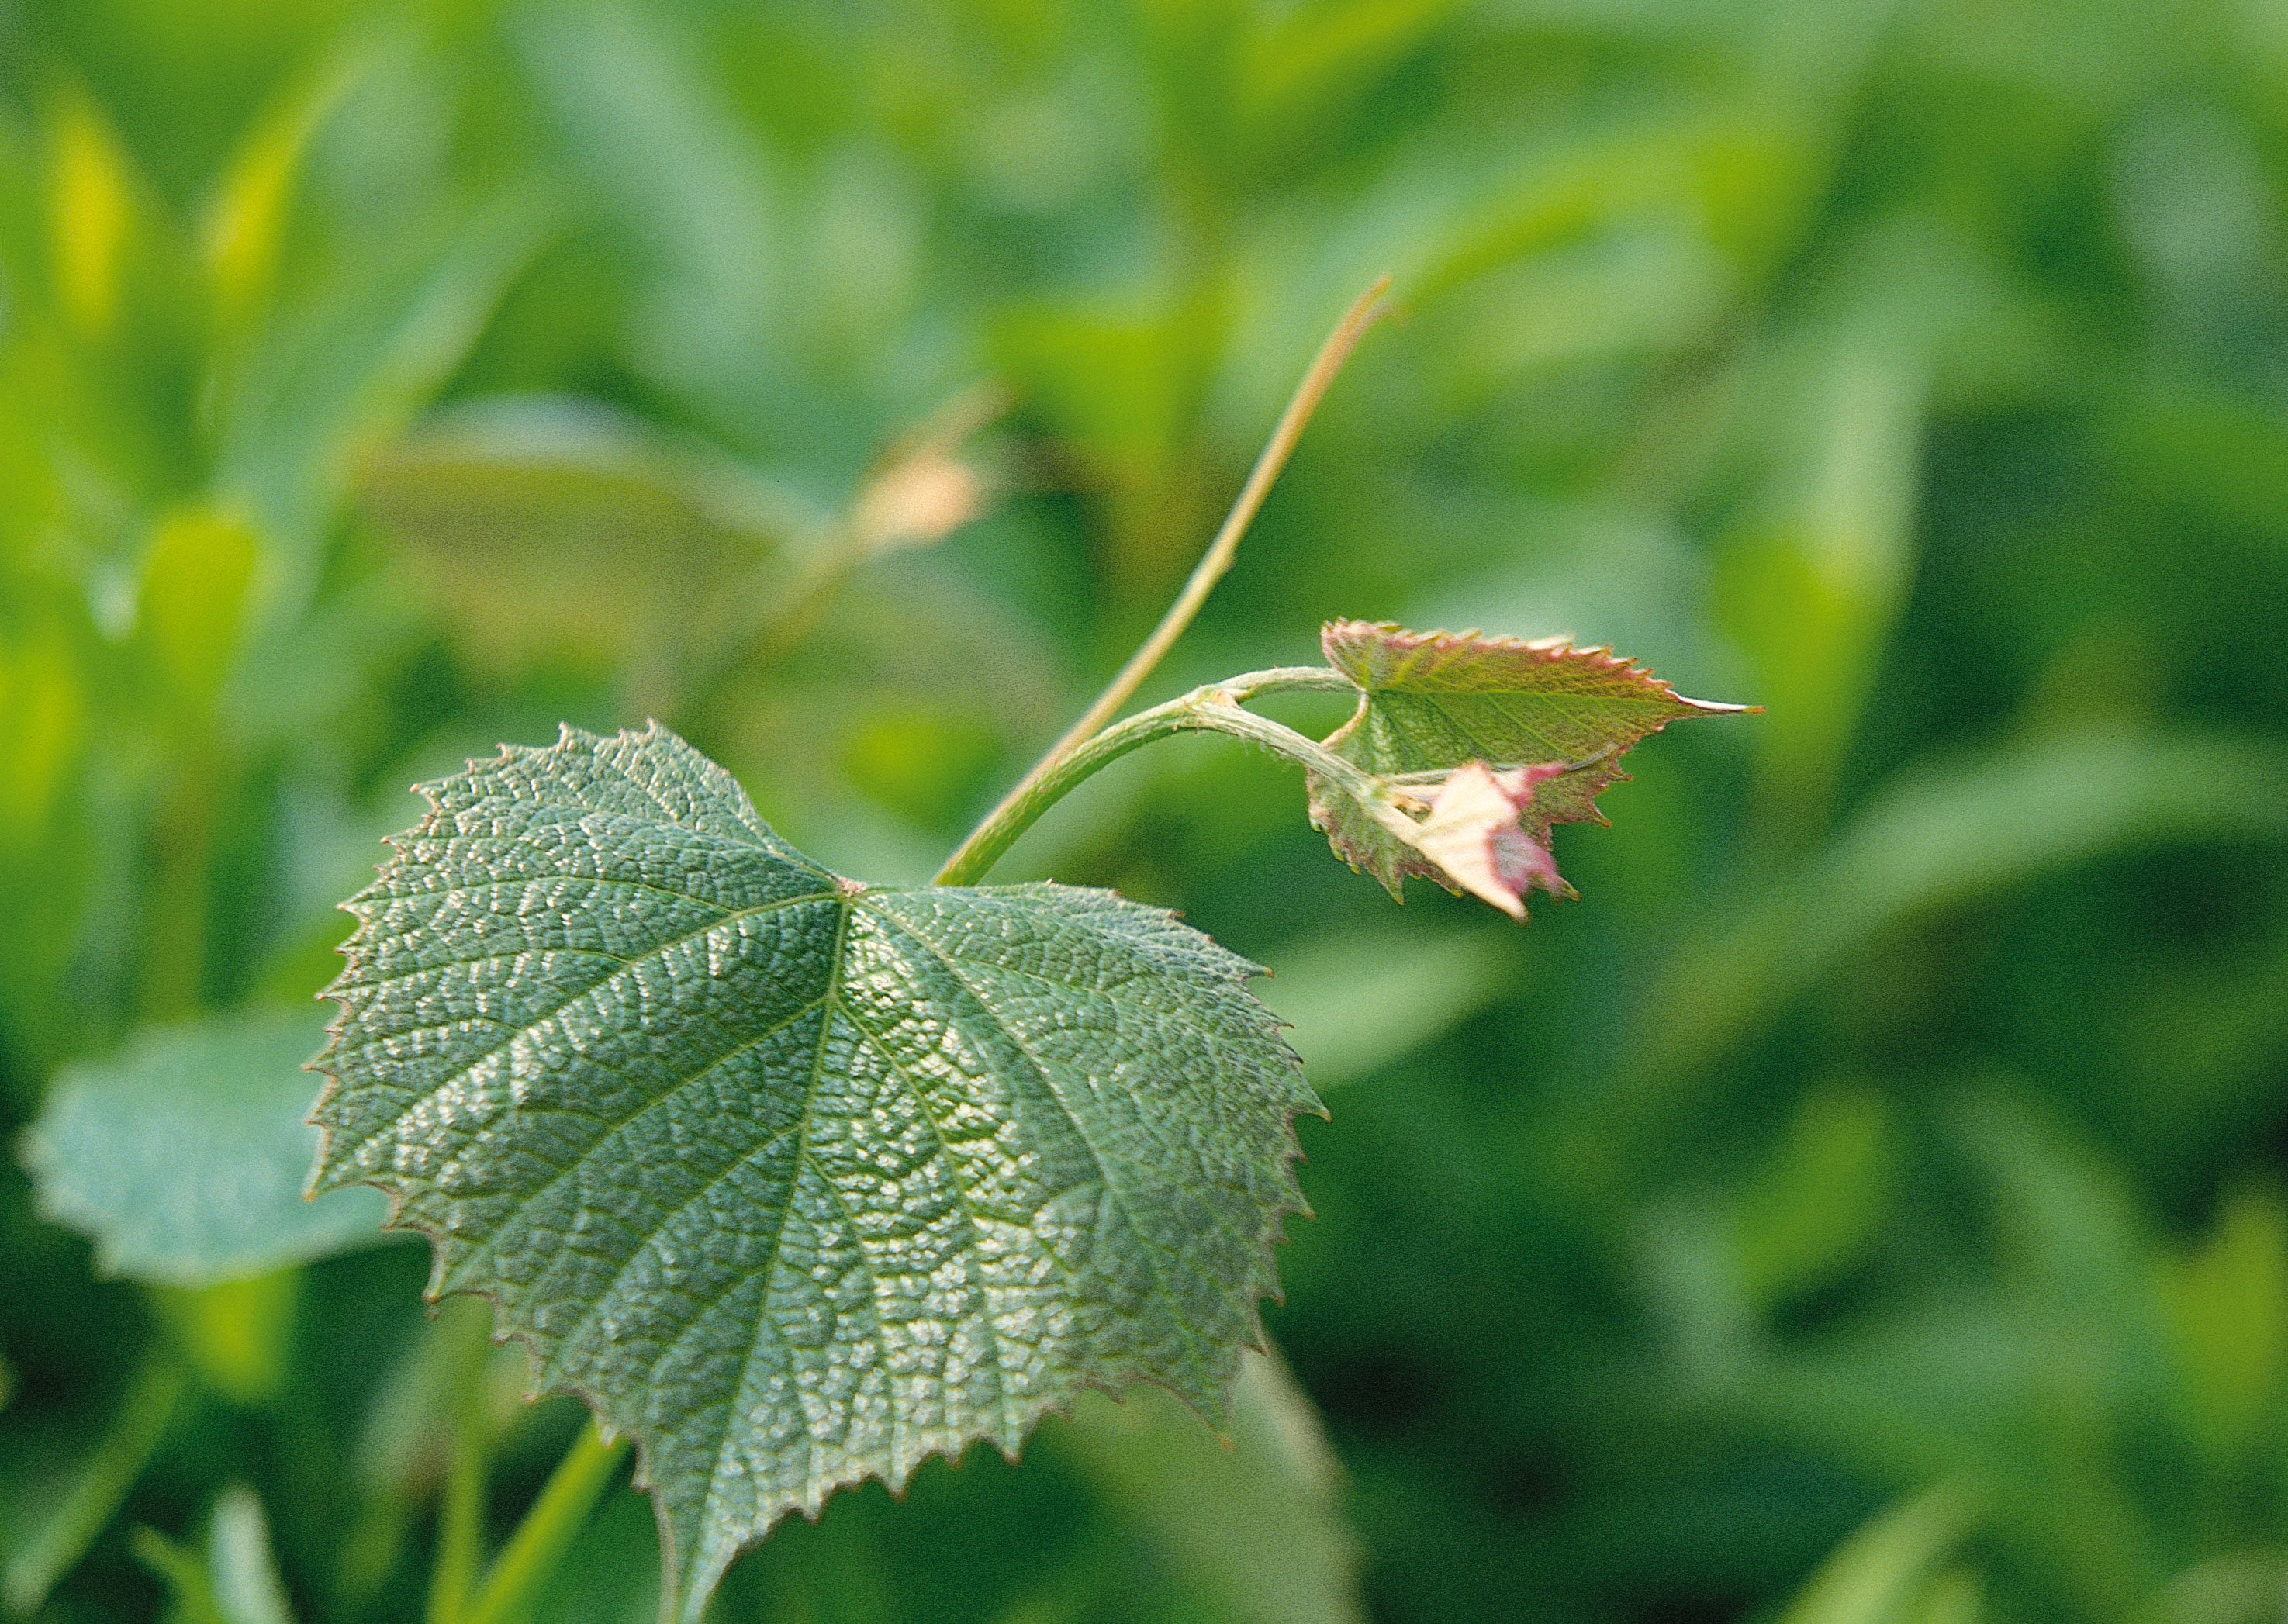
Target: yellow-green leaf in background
{"type": "Point", "coordinates": [191, 612]}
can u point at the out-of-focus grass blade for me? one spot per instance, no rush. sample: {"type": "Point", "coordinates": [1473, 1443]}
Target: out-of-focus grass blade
{"type": "Point", "coordinates": [352, 369]}
{"type": "Point", "coordinates": [2227, 1305]}
{"type": "Point", "coordinates": [90, 206]}
{"type": "Point", "coordinates": [122, 278]}
{"type": "Point", "coordinates": [404, 1440]}
{"type": "Point", "coordinates": [437, 1406]}
{"type": "Point", "coordinates": [1815, 1209]}
{"type": "Point", "coordinates": [1811, 586]}
{"type": "Point", "coordinates": [245, 222]}
{"type": "Point", "coordinates": [56, 1542]}
{"type": "Point", "coordinates": [247, 1588]}
{"type": "Point", "coordinates": [2067, 1224]}
{"type": "Point", "coordinates": [183, 1571]}
{"type": "Point", "coordinates": [1880, 1573]}
{"type": "Point", "coordinates": [1317, 58]}
{"type": "Point", "coordinates": [1550, 198]}
{"type": "Point", "coordinates": [235, 1580]}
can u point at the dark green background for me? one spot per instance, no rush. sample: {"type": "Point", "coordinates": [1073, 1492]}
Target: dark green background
{"type": "Point", "coordinates": [1901, 1105]}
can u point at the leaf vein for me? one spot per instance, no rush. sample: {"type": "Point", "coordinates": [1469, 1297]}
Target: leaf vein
{"type": "Point", "coordinates": [463, 1069]}
{"type": "Point", "coordinates": [1041, 1067]}
{"type": "Point", "coordinates": [968, 1207]}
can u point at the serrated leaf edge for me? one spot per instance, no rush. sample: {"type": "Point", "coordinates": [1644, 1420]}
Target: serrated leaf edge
{"type": "Point", "coordinates": [679, 1600]}
{"type": "Point", "coordinates": [1556, 650]}
{"type": "Point", "coordinates": [1334, 634]}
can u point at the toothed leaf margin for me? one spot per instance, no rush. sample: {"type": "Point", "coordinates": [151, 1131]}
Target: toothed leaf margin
{"type": "Point", "coordinates": [1432, 701]}
{"type": "Point", "coordinates": [796, 1181]}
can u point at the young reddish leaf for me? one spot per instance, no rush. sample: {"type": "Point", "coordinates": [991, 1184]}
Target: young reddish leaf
{"type": "Point", "coordinates": [1431, 703]}
{"type": "Point", "coordinates": [1428, 701]}
{"type": "Point", "coordinates": [1474, 837]}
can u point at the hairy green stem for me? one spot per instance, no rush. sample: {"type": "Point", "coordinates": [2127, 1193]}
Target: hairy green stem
{"type": "Point", "coordinates": [541, 1541]}
{"type": "Point", "coordinates": [1213, 709]}
{"type": "Point", "coordinates": [1205, 574]}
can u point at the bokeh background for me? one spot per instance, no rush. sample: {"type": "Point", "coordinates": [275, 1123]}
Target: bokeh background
{"type": "Point", "coordinates": [1866, 1204]}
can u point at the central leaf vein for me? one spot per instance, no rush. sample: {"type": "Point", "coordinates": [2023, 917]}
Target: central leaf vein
{"type": "Point", "coordinates": [786, 1211]}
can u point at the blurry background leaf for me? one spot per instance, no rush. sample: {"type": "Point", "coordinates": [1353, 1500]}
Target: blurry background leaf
{"type": "Point", "coordinates": [512, 511]}
{"type": "Point", "coordinates": [1252, 1521]}
{"type": "Point", "coordinates": [1951, 833]}
{"type": "Point", "coordinates": [1357, 1002]}
{"type": "Point", "coordinates": [1886, 1572]}
{"type": "Point", "coordinates": [185, 1157]}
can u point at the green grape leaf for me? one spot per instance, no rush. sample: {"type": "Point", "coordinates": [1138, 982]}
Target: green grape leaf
{"type": "Point", "coordinates": [1554, 718]}
{"type": "Point", "coordinates": [184, 1157]}
{"type": "Point", "coordinates": [796, 1180]}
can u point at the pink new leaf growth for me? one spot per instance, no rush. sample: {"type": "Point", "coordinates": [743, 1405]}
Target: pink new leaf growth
{"type": "Point", "coordinates": [1476, 836]}
{"type": "Point", "coordinates": [1431, 703]}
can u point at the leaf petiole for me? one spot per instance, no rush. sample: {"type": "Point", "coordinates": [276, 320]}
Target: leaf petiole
{"type": "Point", "coordinates": [54, 1547]}
{"type": "Point", "coordinates": [1216, 707]}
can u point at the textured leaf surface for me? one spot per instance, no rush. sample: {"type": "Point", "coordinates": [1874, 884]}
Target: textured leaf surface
{"type": "Point", "coordinates": [799, 1181]}
{"type": "Point", "coordinates": [1431, 701]}
{"type": "Point", "coordinates": [184, 1157]}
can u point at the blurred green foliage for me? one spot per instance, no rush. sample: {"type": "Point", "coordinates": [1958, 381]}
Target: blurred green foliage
{"type": "Point", "coordinates": [1897, 1123]}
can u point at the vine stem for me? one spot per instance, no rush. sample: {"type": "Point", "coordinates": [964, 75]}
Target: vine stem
{"type": "Point", "coordinates": [1212, 708]}
{"type": "Point", "coordinates": [1216, 560]}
